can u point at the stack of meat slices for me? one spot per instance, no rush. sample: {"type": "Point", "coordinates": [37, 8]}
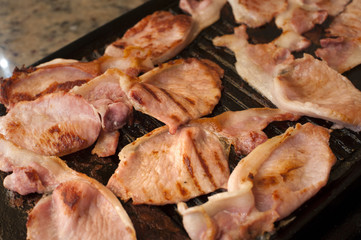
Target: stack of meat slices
{"type": "Point", "coordinates": [80, 103]}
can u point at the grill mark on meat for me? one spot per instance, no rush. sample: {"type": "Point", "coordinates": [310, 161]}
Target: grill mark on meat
{"type": "Point", "coordinates": [191, 101]}
{"type": "Point", "coordinates": [169, 95]}
{"type": "Point", "coordinates": [32, 175]}
{"type": "Point", "coordinates": [18, 97]}
{"type": "Point", "coordinates": [61, 140]}
{"type": "Point", "coordinates": [218, 162]}
{"type": "Point", "coordinates": [175, 118]}
{"type": "Point", "coordinates": [267, 181]}
{"type": "Point", "coordinates": [137, 98]}
{"type": "Point", "coordinates": [5, 84]}
{"type": "Point", "coordinates": [66, 86]}
{"type": "Point", "coordinates": [183, 191]}
{"type": "Point", "coordinates": [71, 198]}
{"type": "Point", "coordinates": [188, 164]}
{"type": "Point", "coordinates": [202, 161]}
{"type": "Point", "coordinates": [286, 175]}
{"type": "Point", "coordinates": [146, 88]}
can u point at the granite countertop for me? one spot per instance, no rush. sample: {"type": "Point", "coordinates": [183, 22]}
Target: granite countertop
{"type": "Point", "coordinates": [32, 29]}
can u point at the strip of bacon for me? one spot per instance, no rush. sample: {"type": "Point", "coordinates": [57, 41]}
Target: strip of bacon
{"type": "Point", "coordinates": [176, 92]}
{"type": "Point", "coordinates": [84, 207]}
{"type": "Point", "coordinates": [266, 186]}
{"type": "Point", "coordinates": [55, 124]}
{"type": "Point", "coordinates": [160, 168]}
{"type": "Point", "coordinates": [343, 52]}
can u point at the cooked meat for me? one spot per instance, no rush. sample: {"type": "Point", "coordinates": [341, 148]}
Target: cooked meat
{"type": "Point", "coordinates": [286, 170]}
{"type": "Point", "coordinates": [343, 53]}
{"type": "Point", "coordinates": [303, 86]}
{"type": "Point", "coordinates": [106, 95]}
{"type": "Point", "coordinates": [176, 92]}
{"type": "Point", "coordinates": [256, 64]}
{"type": "Point", "coordinates": [267, 185]}
{"type": "Point", "coordinates": [58, 75]}
{"type": "Point", "coordinates": [340, 54]}
{"type": "Point", "coordinates": [161, 168]}
{"type": "Point", "coordinates": [106, 144]}
{"type": "Point", "coordinates": [132, 62]}
{"type": "Point", "coordinates": [243, 129]}
{"type": "Point", "coordinates": [79, 208]}
{"type": "Point", "coordinates": [204, 13]}
{"type": "Point", "coordinates": [227, 215]}
{"type": "Point", "coordinates": [302, 16]}
{"type": "Point", "coordinates": [55, 124]}
{"type": "Point", "coordinates": [162, 34]}
{"type": "Point", "coordinates": [31, 172]}
{"type": "Point", "coordinates": [310, 87]}
{"type": "Point", "coordinates": [256, 13]}
{"type": "Point", "coordinates": [292, 41]}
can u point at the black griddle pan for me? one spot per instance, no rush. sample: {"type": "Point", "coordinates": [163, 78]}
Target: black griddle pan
{"type": "Point", "coordinates": [331, 214]}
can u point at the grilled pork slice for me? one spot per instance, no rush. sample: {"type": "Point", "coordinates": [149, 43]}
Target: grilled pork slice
{"type": "Point", "coordinates": [304, 86]}
{"type": "Point", "coordinates": [310, 87]}
{"type": "Point", "coordinates": [58, 75]}
{"type": "Point", "coordinates": [79, 207]}
{"type": "Point", "coordinates": [160, 168]}
{"type": "Point", "coordinates": [266, 186]}
{"type": "Point", "coordinates": [302, 16]}
{"type": "Point", "coordinates": [342, 50]}
{"type": "Point", "coordinates": [256, 13]}
{"type": "Point", "coordinates": [162, 34]}
{"type": "Point", "coordinates": [55, 124]}
{"type": "Point", "coordinates": [177, 91]}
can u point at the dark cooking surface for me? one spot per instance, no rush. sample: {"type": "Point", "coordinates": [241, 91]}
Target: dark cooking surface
{"type": "Point", "coordinates": [334, 213]}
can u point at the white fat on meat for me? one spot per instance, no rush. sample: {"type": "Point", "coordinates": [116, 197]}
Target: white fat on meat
{"type": "Point", "coordinates": [310, 87]}
{"type": "Point", "coordinates": [78, 208]}
{"type": "Point", "coordinates": [162, 34]}
{"type": "Point", "coordinates": [300, 17]}
{"type": "Point", "coordinates": [267, 185]}
{"type": "Point", "coordinates": [55, 124]}
{"type": "Point", "coordinates": [176, 92]}
{"type": "Point", "coordinates": [342, 51]}
{"type": "Point", "coordinates": [256, 13]}
{"type": "Point", "coordinates": [58, 75]}
{"type": "Point", "coordinates": [160, 168]}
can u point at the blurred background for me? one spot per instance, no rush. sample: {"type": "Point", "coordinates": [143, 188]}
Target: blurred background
{"type": "Point", "coordinates": [33, 29]}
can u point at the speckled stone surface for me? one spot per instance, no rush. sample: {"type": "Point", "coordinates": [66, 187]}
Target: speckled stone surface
{"type": "Point", "coordinates": [32, 29]}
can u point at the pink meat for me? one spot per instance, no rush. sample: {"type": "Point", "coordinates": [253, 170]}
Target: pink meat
{"type": "Point", "coordinates": [55, 124]}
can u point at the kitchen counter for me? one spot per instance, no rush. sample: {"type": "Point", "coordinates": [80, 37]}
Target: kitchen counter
{"type": "Point", "coordinates": [32, 29]}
